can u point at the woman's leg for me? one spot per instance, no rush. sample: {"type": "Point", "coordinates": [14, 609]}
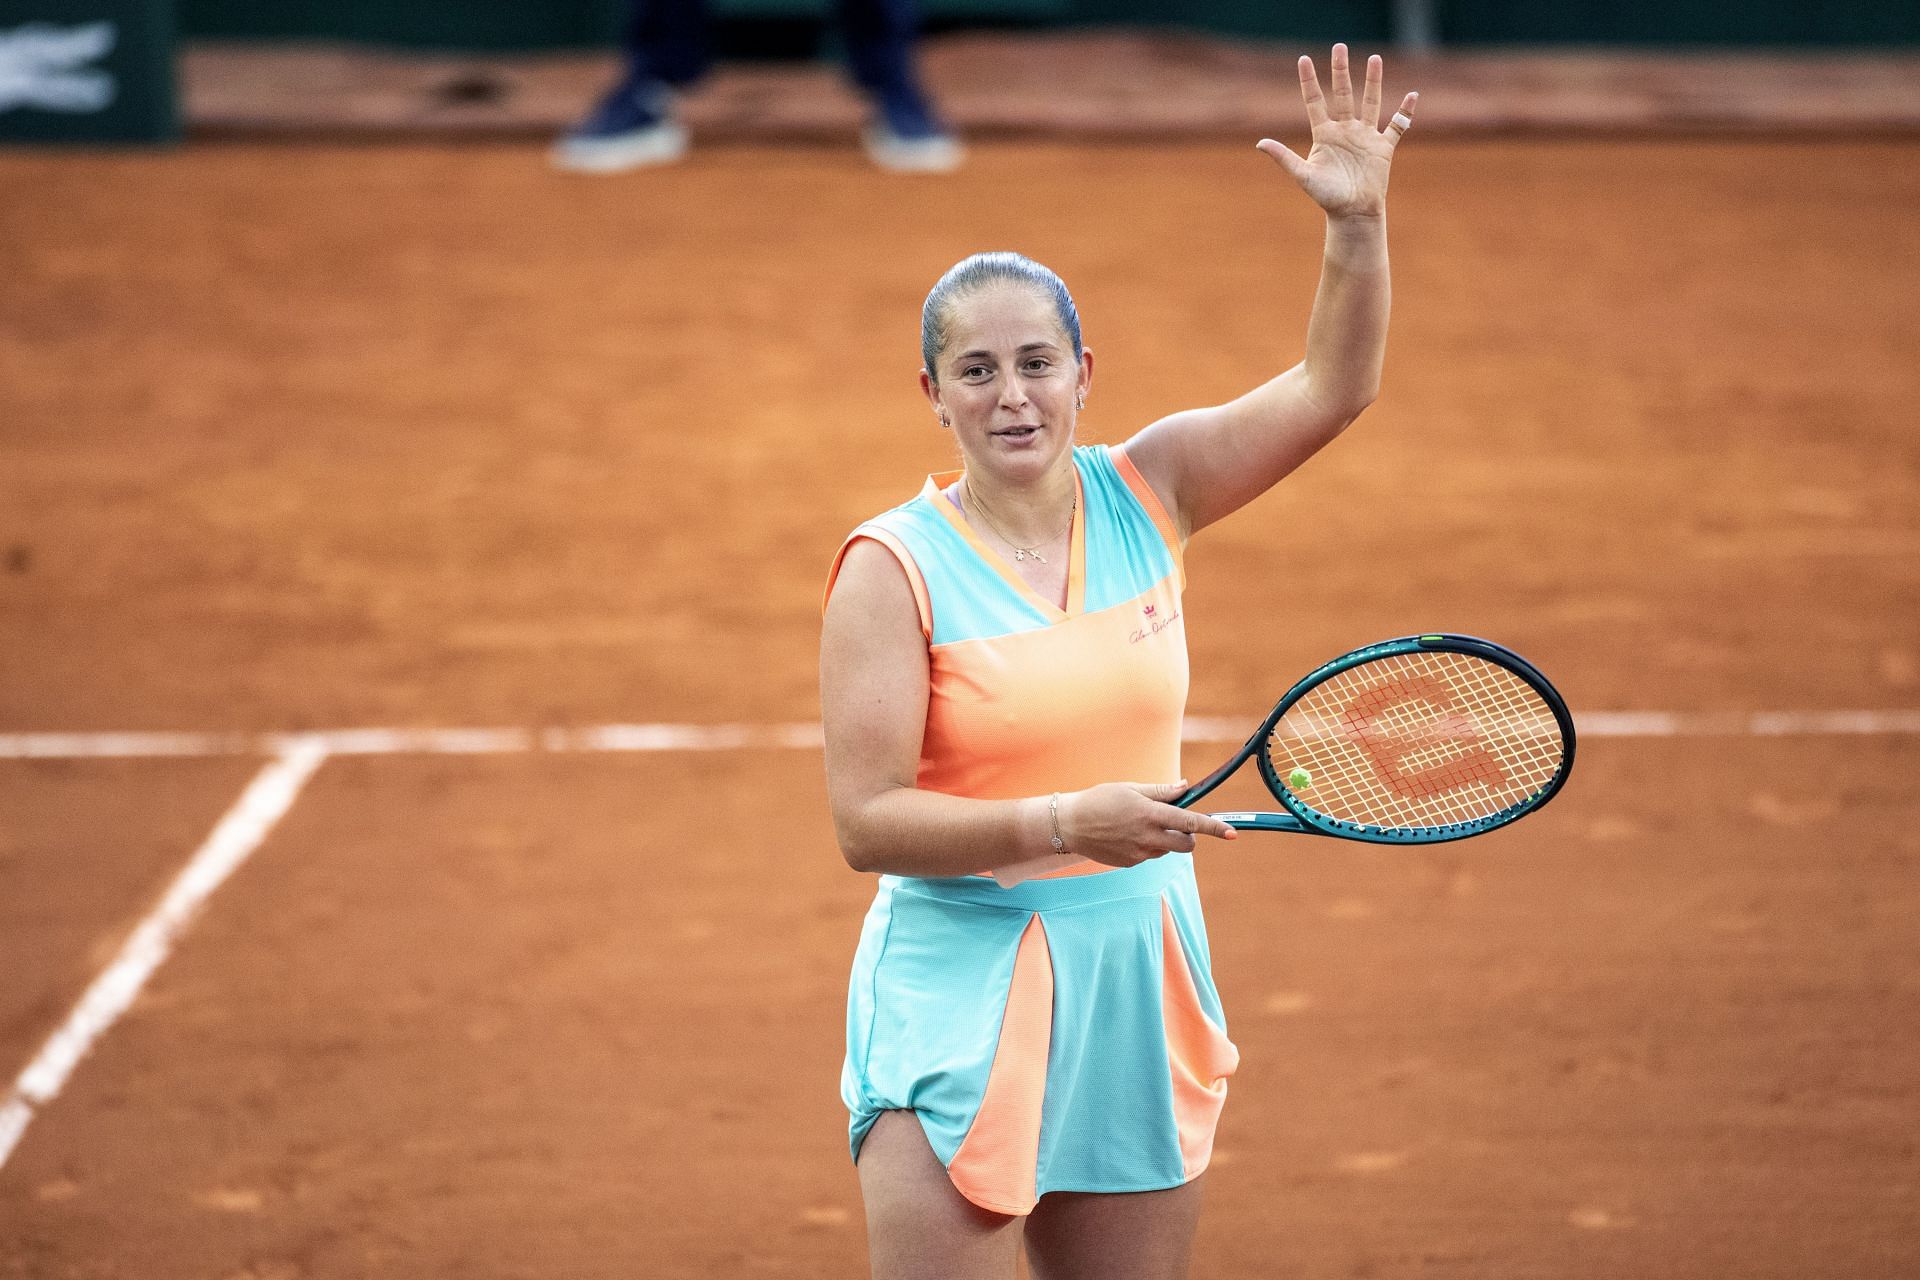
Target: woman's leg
{"type": "Point", "coordinates": [917, 1224]}
{"type": "Point", "coordinates": [1138, 1235]}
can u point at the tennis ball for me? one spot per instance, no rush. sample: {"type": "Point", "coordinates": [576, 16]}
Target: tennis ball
{"type": "Point", "coordinates": [1299, 780]}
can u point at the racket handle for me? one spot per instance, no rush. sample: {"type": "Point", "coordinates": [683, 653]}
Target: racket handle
{"type": "Point", "coordinates": [1261, 821]}
{"type": "Point", "coordinates": [1007, 877]}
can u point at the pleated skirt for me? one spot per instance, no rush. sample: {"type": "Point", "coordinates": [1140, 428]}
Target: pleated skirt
{"type": "Point", "coordinates": [1061, 1035]}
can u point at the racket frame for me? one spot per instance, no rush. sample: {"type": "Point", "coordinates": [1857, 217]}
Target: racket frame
{"type": "Point", "coordinates": [1301, 818]}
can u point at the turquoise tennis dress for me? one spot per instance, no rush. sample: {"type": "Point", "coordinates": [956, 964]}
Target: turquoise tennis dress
{"type": "Point", "coordinates": [1064, 1034]}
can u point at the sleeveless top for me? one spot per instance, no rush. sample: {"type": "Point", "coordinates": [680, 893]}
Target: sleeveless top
{"type": "Point", "coordinates": [1026, 698]}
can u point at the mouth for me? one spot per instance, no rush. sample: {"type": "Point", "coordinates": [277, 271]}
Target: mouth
{"type": "Point", "coordinates": [1020, 431]}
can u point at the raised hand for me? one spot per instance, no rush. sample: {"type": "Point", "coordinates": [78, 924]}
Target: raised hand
{"type": "Point", "coordinates": [1345, 172]}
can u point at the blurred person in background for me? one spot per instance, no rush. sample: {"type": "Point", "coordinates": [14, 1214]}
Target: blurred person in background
{"type": "Point", "coordinates": [669, 47]}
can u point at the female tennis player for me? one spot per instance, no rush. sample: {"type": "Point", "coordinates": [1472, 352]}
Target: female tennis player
{"type": "Point", "coordinates": [1003, 676]}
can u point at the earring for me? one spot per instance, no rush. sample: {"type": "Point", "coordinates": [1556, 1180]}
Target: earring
{"type": "Point", "coordinates": [942, 415]}
{"type": "Point", "coordinates": [1080, 401]}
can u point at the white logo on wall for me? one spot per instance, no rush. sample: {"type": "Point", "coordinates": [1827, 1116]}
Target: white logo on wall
{"type": "Point", "coordinates": [44, 66]}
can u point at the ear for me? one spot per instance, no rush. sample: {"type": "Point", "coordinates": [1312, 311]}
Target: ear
{"type": "Point", "coordinates": [1084, 383]}
{"type": "Point", "coordinates": [931, 389]}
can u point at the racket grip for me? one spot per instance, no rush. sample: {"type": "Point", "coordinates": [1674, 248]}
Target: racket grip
{"type": "Point", "coordinates": [1263, 821]}
{"type": "Point", "coordinates": [1007, 877]}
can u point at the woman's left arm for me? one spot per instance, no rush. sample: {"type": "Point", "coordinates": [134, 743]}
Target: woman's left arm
{"type": "Point", "coordinates": [1208, 463]}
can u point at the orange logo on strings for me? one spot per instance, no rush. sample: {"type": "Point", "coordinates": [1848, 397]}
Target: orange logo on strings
{"type": "Point", "coordinates": [1389, 745]}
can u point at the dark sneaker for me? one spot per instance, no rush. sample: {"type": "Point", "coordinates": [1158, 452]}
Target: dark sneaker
{"type": "Point", "coordinates": [906, 137]}
{"type": "Point", "coordinates": [631, 128]}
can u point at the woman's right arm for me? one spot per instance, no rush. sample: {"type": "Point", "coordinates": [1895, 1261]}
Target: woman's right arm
{"type": "Point", "coordinates": [873, 704]}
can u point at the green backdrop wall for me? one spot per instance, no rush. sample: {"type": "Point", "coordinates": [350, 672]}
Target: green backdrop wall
{"type": "Point", "coordinates": [547, 24]}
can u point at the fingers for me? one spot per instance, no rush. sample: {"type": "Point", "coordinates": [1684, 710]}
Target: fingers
{"type": "Point", "coordinates": [1370, 96]}
{"type": "Point", "coordinates": [1177, 821]}
{"type": "Point", "coordinates": [1403, 118]}
{"type": "Point", "coordinates": [1186, 824]}
{"type": "Point", "coordinates": [1208, 825]}
{"type": "Point", "coordinates": [1310, 93]}
{"type": "Point", "coordinates": [1124, 824]}
{"type": "Point", "coordinates": [1296, 167]}
{"type": "Point", "coordinates": [1342, 107]}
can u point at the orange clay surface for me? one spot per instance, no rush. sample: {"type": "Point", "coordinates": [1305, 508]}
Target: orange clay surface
{"type": "Point", "coordinates": [315, 437]}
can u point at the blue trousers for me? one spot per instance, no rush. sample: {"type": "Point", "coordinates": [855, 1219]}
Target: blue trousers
{"type": "Point", "coordinates": [671, 41]}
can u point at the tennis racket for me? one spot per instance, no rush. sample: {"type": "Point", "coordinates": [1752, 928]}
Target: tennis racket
{"type": "Point", "coordinates": [1410, 741]}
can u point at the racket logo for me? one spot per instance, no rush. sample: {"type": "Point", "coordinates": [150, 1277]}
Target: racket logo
{"type": "Point", "coordinates": [1420, 745]}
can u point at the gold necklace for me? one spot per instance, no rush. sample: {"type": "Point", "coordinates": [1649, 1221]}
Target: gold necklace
{"type": "Point", "coordinates": [1019, 552]}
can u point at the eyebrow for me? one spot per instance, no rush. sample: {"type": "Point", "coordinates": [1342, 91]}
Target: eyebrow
{"type": "Point", "coordinates": [1030, 346]}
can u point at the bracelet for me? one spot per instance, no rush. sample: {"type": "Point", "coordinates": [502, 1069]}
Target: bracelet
{"type": "Point", "coordinates": [1053, 815]}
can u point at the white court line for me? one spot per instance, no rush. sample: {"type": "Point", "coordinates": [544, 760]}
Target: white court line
{"type": "Point", "coordinates": [802, 735]}
{"type": "Point", "coordinates": [264, 802]}
{"type": "Point", "coordinates": [296, 756]}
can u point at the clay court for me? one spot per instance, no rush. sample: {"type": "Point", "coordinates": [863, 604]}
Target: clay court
{"type": "Point", "coordinates": [325, 436]}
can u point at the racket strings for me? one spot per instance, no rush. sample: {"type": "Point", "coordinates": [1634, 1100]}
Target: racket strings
{"type": "Point", "coordinates": [1418, 740]}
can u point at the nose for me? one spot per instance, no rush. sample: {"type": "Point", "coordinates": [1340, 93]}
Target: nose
{"type": "Point", "coordinates": [1013, 392]}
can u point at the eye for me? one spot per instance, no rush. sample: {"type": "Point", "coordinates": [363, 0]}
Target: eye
{"type": "Point", "coordinates": [1038, 363]}
{"type": "Point", "coordinates": [973, 371]}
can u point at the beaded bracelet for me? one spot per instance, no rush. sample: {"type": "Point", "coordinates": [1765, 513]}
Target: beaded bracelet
{"type": "Point", "coordinates": [1053, 814]}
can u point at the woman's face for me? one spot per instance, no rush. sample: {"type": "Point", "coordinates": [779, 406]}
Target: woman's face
{"type": "Point", "coordinates": [1007, 380]}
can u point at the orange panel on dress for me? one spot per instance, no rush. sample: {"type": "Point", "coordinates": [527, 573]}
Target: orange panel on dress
{"type": "Point", "coordinates": [1199, 1053]}
{"type": "Point", "coordinates": [996, 1165]}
